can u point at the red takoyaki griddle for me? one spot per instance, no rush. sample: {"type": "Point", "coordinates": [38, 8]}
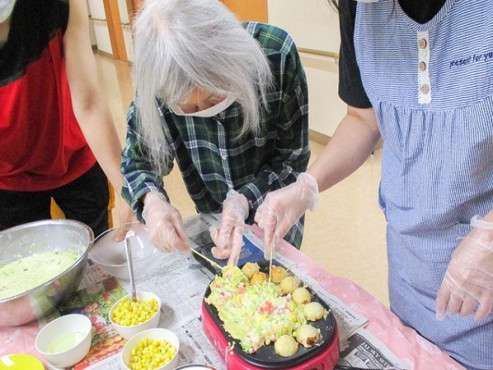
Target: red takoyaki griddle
{"type": "Point", "coordinates": [322, 356]}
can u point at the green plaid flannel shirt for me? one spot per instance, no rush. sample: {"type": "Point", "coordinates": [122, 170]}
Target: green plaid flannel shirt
{"type": "Point", "coordinates": [210, 156]}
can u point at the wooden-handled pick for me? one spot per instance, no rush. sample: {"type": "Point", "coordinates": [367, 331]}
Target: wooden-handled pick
{"type": "Point", "coordinates": [215, 264]}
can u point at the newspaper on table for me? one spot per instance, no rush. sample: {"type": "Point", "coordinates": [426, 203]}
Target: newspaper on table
{"type": "Point", "coordinates": [180, 282]}
{"type": "Point", "coordinates": [364, 351]}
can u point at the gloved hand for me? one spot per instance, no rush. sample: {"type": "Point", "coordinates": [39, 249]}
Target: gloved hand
{"type": "Point", "coordinates": [229, 237]}
{"type": "Point", "coordinates": [166, 230]}
{"type": "Point", "coordinates": [282, 208]}
{"type": "Point", "coordinates": [468, 280]}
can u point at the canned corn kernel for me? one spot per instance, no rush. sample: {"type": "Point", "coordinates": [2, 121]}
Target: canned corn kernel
{"type": "Point", "coordinates": [130, 313]}
{"type": "Point", "coordinates": [151, 354]}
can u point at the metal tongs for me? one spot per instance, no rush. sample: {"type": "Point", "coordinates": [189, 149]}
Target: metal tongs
{"type": "Point", "coordinates": [128, 251]}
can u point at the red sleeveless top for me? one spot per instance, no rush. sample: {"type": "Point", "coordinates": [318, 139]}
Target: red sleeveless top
{"type": "Point", "coordinates": [41, 144]}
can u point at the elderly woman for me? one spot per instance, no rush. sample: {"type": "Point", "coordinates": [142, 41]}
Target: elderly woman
{"type": "Point", "coordinates": [228, 102]}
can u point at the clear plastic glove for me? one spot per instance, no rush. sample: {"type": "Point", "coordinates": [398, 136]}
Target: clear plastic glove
{"type": "Point", "coordinates": [468, 281]}
{"type": "Point", "coordinates": [282, 208]}
{"type": "Point", "coordinates": [166, 230]}
{"type": "Point", "coordinates": [229, 237]}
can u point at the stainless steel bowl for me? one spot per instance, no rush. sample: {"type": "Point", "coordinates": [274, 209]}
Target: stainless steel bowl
{"type": "Point", "coordinates": [38, 237]}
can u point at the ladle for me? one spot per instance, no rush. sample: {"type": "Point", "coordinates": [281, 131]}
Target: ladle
{"type": "Point", "coordinates": [128, 251]}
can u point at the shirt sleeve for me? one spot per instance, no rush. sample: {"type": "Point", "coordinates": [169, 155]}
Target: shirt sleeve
{"type": "Point", "coordinates": [139, 176]}
{"type": "Point", "coordinates": [292, 148]}
{"type": "Point", "coordinates": [351, 89]}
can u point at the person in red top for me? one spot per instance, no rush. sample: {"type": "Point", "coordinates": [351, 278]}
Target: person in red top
{"type": "Point", "coordinates": [54, 121]}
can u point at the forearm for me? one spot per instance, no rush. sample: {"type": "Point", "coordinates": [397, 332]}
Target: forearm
{"type": "Point", "coordinates": [292, 151]}
{"type": "Point", "coordinates": [88, 101]}
{"type": "Point", "coordinates": [488, 217]}
{"type": "Point", "coordinates": [483, 230]}
{"type": "Point", "coordinates": [352, 143]}
{"type": "Point", "coordinates": [140, 177]}
{"type": "Point", "coordinates": [139, 181]}
{"type": "Point", "coordinates": [98, 129]}
{"type": "Point", "coordinates": [135, 195]}
{"type": "Point", "coordinates": [274, 177]}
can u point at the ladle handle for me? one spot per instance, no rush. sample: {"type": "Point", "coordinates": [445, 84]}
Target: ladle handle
{"type": "Point", "coordinates": [128, 251]}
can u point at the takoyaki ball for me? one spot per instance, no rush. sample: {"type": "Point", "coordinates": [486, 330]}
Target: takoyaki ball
{"type": "Point", "coordinates": [307, 335]}
{"type": "Point", "coordinates": [278, 273]}
{"type": "Point", "coordinates": [289, 284]}
{"type": "Point", "coordinates": [314, 311]}
{"type": "Point", "coordinates": [250, 268]}
{"type": "Point", "coordinates": [301, 295]}
{"type": "Point", "coordinates": [258, 277]}
{"type": "Point", "coordinates": [286, 346]}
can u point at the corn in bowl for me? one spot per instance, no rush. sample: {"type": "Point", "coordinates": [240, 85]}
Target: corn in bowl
{"type": "Point", "coordinates": [151, 349]}
{"type": "Point", "coordinates": [151, 354]}
{"type": "Point", "coordinates": [131, 317]}
{"type": "Point", "coordinates": [128, 312]}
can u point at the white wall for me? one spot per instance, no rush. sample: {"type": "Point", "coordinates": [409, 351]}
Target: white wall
{"type": "Point", "coordinates": [92, 36]}
{"type": "Point", "coordinates": [102, 36]}
{"type": "Point", "coordinates": [326, 109]}
{"type": "Point", "coordinates": [98, 15]}
{"type": "Point", "coordinates": [313, 24]}
{"type": "Point", "coordinates": [96, 8]}
{"type": "Point", "coordinates": [122, 8]}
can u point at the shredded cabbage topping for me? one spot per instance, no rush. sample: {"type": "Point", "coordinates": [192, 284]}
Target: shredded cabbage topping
{"type": "Point", "coordinates": [255, 315]}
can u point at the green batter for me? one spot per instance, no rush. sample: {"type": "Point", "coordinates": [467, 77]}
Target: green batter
{"type": "Point", "coordinates": [29, 272]}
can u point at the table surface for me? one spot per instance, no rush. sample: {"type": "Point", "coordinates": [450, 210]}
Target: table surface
{"type": "Point", "coordinates": [413, 350]}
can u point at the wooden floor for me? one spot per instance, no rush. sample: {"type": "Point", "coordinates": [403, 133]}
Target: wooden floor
{"type": "Point", "coordinates": [345, 234]}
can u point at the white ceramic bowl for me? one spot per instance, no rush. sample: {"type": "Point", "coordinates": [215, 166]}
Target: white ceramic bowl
{"type": "Point", "coordinates": [129, 331]}
{"type": "Point", "coordinates": [109, 254]}
{"type": "Point", "coordinates": [66, 340]}
{"type": "Point", "coordinates": [154, 334]}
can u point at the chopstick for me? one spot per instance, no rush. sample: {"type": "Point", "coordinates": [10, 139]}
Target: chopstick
{"type": "Point", "coordinates": [270, 264]}
{"type": "Point", "coordinates": [215, 264]}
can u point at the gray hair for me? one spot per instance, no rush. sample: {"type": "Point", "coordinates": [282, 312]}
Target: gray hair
{"type": "Point", "coordinates": [180, 44]}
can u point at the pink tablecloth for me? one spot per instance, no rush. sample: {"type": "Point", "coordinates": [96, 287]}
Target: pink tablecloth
{"type": "Point", "coordinates": [415, 351]}
{"type": "Point", "coordinates": [19, 339]}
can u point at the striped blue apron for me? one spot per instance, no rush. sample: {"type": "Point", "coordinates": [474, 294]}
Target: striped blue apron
{"type": "Point", "coordinates": [431, 86]}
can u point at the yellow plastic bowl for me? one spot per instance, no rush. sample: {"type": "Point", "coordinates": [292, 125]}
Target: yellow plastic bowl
{"type": "Point", "coordinates": [20, 361]}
